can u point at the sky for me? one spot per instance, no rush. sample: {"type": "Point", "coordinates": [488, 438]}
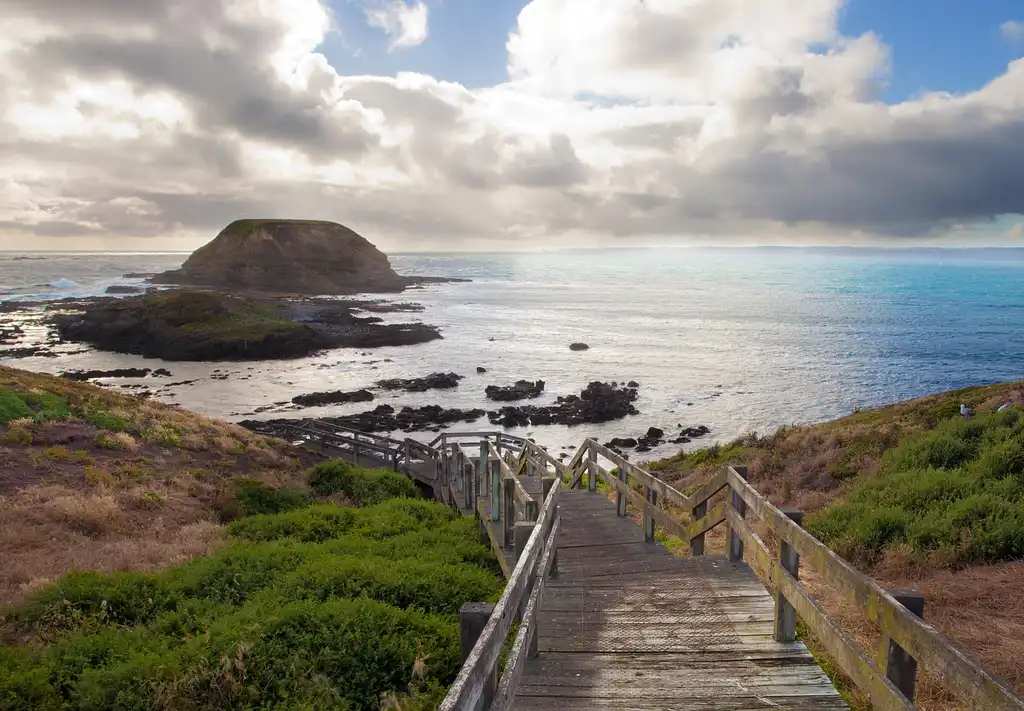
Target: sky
{"type": "Point", "coordinates": [513, 124]}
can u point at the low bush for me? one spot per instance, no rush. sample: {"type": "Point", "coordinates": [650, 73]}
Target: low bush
{"type": "Point", "coordinates": [364, 487]}
{"type": "Point", "coordinates": [955, 493]}
{"type": "Point", "coordinates": [317, 607]}
{"type": "Point", "coordinates": [255, 498]}
{"type": "Point", "coordinates": [38, 406]}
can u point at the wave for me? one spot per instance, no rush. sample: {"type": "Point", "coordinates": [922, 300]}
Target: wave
{"type": "Point", "coordinates": [62, 284]}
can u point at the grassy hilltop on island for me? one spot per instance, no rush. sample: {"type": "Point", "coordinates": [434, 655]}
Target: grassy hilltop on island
{"type": "Point", "coordinates": [155, 559]}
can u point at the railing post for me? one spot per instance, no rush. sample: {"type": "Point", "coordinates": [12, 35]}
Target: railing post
{"type": "Point", "coordinates": [735, 542]}
{"type": "Point", "coordinates": [547, 484]}
{"type": "Point", "coordinates": [697, 542]}
{"type": "Point", "coordinates": [591, 467]}
{"type": "Point", "coordinates": [496, 514]}
{"type": "Point", "coordinates": [532, 512]}
{"type": "Point", "coordinates": [620, 498]}
{"type": "Point", "coordinates": [484, 470]}
{"type": "Point", "coordinates": [523, 531]}
{"type": "Point", "coordinates": [651, 496]}
{"type": "Point", "coordinates": [785, 613]}
{"type": "Point", "coordinates": [469, 477]}
{"type": "Point", "coordinates": [508, 512]}
{"type": "Point", "coordinates": [901, 668]}
{"type": "Point", "coordinates": [473, 618]}
{"type": "Point", "coordinates": [355, 453]}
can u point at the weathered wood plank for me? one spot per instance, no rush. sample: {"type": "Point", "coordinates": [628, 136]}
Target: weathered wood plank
{"type": "Point", "coordinates": [625, 615]}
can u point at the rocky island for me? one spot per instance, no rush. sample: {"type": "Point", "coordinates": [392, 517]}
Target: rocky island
{"type": "Point", "coordinates": [261, 289]}
{"type": "Point", "coordinates": [207, 326]}
{"type": "Point", "coordinates": [294, 256]}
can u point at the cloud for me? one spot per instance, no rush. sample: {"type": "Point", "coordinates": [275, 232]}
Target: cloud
{"type": "Point", "coordinates": [1012, 30]}
{"type": "Point", "coordinates": [406, 24]}
{"type": "Point", "coordinates": [709, 119]}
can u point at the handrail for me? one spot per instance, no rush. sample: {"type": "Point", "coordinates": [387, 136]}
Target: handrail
{"type": "Point", "coordinates": [470, 686]}
{"type": "Point", "coordinates": [889, 685]}
{"type": "Point", "coordinates": [917, 638]}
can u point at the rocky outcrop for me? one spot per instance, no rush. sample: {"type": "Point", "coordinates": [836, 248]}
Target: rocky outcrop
{"type": "Point", "coordinates": [86, 375]}
{"type": "Point", "coordinates": [208, 326]}
{"type": "Point", "coordinates": [383, 418]}
{"type": "Point", "coordinates": [655, 436]}
{"type": "Point", "coordinates": [191, 325]}
{"type": "Point", "coordinates": [301, 256]}
{"type": "Point", "coordinates": [335, 397]}
{"type": "Point", "coordinates": [124, 289]}
{"type": "Point", "coordinates": [434, 381]}
{"type": "Point", "coordinates": [599, 402]}
{"type": "Point", "coordinates": [521, 390]}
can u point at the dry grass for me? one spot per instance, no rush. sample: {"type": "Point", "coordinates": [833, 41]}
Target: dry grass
{"type": "Point", "coordinates": [48, 530]}
{"type": "Point", "coordinates": [74, 496]}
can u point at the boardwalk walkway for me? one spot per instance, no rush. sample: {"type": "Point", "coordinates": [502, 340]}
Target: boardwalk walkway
{"type": "Point", "coordinates": [627, 625]}
{"type": "Point", "coordinates": [597, 615]}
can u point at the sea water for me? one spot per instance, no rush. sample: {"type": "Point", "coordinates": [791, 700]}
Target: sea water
{"type": "Point", "coordinates": [738, 339]}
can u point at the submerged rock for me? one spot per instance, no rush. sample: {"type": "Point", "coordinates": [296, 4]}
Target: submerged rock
{"type": "Point", "coordinates": [578, 347]}
{"type": "Point", "coordinates": [434, 381]}
{"type": "Point", "coordinates": [85, 375]}
{"type": "Point", "coordinates": [335, 397]}
{"type": "Point", "coordinates": [521, 390]}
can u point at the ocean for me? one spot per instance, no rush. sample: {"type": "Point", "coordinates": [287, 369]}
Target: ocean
{"type": "Point", "coordinates": [738, 339]}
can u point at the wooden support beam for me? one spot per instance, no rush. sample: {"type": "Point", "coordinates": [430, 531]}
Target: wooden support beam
{"type": "Point", "coordinates": [473, 617]}
{"type": "Point", "coordinates": [901, 668]}
{"type": "Point", "coordinates": [735, 542]}
{"type": "Point", "coordinates": [785, 613]}
{"type": "Point", "coordinates": [508, 511]}
{"type": "Point", "coordinates": [697, 542]}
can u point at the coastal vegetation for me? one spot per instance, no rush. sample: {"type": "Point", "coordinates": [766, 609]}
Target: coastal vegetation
{"type": "Point", "coordinates": [162, 560]}
{"type": "Point", "coordinates": [916, 495]}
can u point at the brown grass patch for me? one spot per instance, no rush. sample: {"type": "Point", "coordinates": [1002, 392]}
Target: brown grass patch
{"type": "Point", "coordinates": [77, 497]}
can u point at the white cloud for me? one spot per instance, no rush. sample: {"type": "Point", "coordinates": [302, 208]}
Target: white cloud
{"type": "Point", "coordinates": [406, 24]}
{"type": "Point", "coordinates": [1012, 30]}
{"type": "Point", "coordinates": [670, 118]}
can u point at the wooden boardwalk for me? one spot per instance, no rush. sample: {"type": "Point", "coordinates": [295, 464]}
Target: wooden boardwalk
{"type": "Point", "coordinates": [627, 625]}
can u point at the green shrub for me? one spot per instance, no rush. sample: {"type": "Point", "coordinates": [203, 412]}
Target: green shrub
{"type": "Point", "coordinates": [13, 407]}
{"type": "Point", "coordinates": [255, 498]}
{"type": "Point", "coordinates": [107, 421]}
{"type": "Point", "coordinates": [41, 407]}
{"type": "Point", "coordinates": [957, 491]}
{"type": "Point", "coordinates": [278, 622]}
{"type": "Point", "coordinates": [364, 487]}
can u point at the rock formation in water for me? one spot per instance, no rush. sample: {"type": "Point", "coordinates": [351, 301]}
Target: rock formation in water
{"type": "Point", "coordinates": [300, 256]}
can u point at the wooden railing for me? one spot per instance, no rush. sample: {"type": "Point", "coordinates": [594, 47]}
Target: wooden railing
{"type": "Point", "coordinates": [888, 678]}
{"type": "Point", "coordinates": [486, 628]}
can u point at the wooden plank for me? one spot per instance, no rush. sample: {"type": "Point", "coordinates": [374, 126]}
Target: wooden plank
{"type": "Point", "coordinates": [625, 615]}
{"type": "Point", "coordinates": [921, 640]}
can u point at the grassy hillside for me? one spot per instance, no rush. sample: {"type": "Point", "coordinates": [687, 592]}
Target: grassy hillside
{"type": "Point", "coordinates": [918, 497]}
{"type": "Point", "coordinates": [158, 560]}
{"type": "Point", "coordinates": [103, 481]}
